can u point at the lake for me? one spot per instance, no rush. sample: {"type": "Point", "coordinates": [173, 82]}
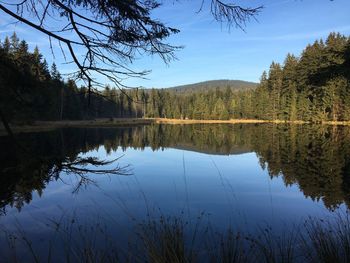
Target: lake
{"type": "Point", "coordinates": [241, 175]}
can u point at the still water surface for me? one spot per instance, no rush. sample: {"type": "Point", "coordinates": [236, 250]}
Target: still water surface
{"type": "Point", "coordinates": [240, 175]}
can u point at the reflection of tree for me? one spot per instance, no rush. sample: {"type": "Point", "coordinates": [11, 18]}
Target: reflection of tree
{"type": "Point", "coordinates": [44, 158]}
{"type": "Point", "coordinates": [314, 157]}
{"type": "Point", "coordinates": [79, 168]}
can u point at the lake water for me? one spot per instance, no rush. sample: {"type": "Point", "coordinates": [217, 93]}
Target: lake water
{"type": "Point", "coordinates": [229, 175]}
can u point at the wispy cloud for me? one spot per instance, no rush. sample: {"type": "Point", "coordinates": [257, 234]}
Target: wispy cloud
{"type": "Point", "coordinates": [298, 36]}
{"type": "Point", "coordinates": [278, 2]}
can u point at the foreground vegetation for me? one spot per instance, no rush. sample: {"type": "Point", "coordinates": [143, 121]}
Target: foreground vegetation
{"type": "Point", "coordinates": [176, 240]}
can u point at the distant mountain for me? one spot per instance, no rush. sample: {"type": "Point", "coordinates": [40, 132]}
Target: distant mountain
{"type": "Point", "coordinates": [222, 84]}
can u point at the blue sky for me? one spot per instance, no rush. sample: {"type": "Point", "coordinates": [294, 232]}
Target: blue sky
{"type": "Point", "coordinates": [211, 51]}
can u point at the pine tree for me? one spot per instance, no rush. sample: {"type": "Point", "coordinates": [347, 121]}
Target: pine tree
{"type": "Point", "coordinates": [262, 98]}
{"type": "Point", "coordinates": [275, 86]}
{"type": "Point", "coordinates": [289, 89]}
{"type": "Point", "coordinates": [14, 42]}
{"type": "Point", "coordinates": [7, 45]}
{"type": "Point", "coordinates": [55, 74]}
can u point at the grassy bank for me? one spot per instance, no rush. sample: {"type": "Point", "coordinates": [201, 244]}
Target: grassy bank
{"type": "Point", "coordinates": [242, 121]}
{"type": "Point", "coordinates": [49, 125]}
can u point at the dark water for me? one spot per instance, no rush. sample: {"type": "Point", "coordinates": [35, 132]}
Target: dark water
{"type": "Point", "coordinates": [241, 175]}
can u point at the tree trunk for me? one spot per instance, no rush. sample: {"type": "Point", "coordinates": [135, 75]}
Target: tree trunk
{"type": "Point", "coordinates": [61, 108]}
{"type": "Point", "coordinates": [6, 124]}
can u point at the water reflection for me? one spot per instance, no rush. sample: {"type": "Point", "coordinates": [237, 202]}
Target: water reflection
{"type": "Point", "coordinates": [33, 160]}
{"type": "Point", "coordinates": [316, 158]}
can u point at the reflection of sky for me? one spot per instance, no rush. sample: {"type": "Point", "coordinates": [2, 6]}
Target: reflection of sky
{"type": "Point", "coordinates": [213, 53]}
{"type": "Point", "coordinates": [231, 189]}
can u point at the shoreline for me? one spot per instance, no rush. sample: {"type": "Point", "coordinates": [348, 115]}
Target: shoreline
{"type": "Point", "coordinates": [230, 121]}
{"type": "Point", "coordinates": [38, 126]}
{"type": "Point", "coordinates": [243, 121]}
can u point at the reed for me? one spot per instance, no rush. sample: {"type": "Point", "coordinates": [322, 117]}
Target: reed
{"type": "Point", "coordinates": [176, 240]}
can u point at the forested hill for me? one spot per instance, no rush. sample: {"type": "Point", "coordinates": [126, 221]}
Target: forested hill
{"type": "Point", "coordinates": [209, 85]}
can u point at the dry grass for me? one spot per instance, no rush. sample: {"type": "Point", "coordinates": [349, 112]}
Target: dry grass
{"type": "Point", "coordinates": [187, 121]}
{"type": "Point", "coordinates": [342, 123]}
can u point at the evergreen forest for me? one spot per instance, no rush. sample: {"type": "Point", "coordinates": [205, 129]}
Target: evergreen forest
{"type": "Point", "coordinates": [314, 86]}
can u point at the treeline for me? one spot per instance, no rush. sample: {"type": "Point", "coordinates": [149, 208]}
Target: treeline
{"type": "Point", "coordinates": [31, 90]}
{"type": "Point", "coordinates": [154, 103]}
{"type": "Point", "coordinates": [313, 87]}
